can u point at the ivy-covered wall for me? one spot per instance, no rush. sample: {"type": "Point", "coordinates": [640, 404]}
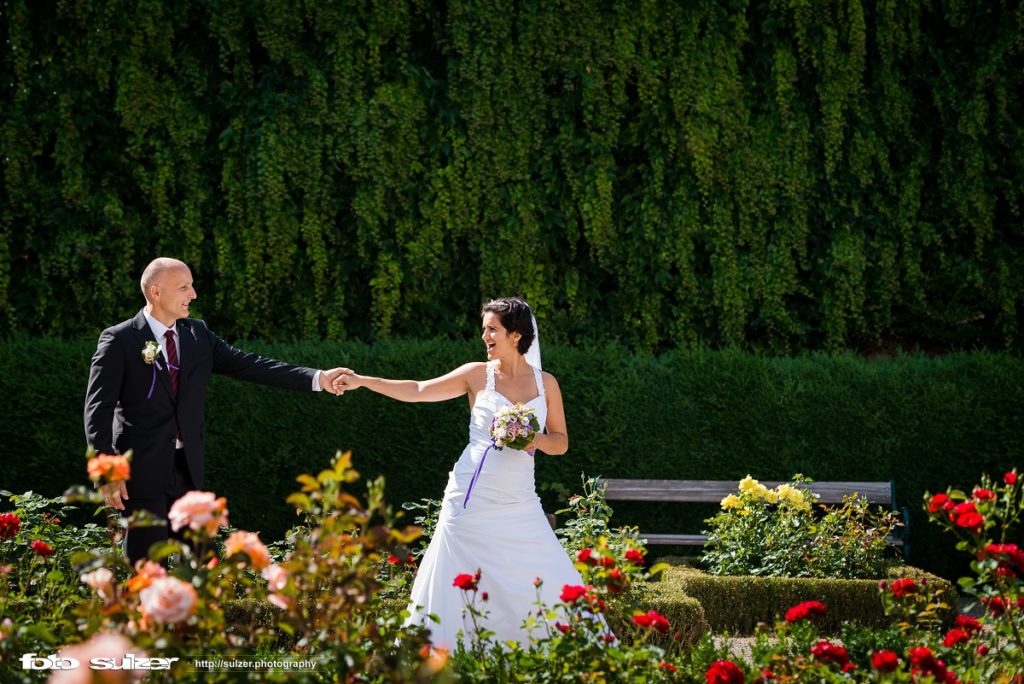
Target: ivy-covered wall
{"type": "Point", "coordinates": [782, 175]}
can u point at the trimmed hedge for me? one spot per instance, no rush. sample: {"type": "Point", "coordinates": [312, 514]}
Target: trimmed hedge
{"type": "Point", "coordinates": [737, 604]}
{"type": "Point", "coordinates": [924, 422]}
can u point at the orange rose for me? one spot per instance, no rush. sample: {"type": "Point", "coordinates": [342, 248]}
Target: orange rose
{"type": "Point", "coordinates": [248, 543]}
{"type": "Point", "coordinates": [109, 468]}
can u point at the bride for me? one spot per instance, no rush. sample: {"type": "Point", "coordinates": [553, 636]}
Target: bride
{"type": "Point", "coordinates": [499, 527]}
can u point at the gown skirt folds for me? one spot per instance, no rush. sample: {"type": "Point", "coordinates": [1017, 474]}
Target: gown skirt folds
{"type": "Point", "coordinates": [502, 531]}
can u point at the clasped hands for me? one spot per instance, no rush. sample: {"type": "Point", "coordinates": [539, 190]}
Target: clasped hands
{"type": "Point", "coordinates": [342, 380]}
{"type": "Point", "coordinates": [333, 380]}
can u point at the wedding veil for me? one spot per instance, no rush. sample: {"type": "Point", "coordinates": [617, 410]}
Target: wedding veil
{"type": "Point", "coordinates": [533, 353]}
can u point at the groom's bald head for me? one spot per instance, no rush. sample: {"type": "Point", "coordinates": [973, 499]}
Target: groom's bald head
{"type": "Point", "coordinates": [156, 270]}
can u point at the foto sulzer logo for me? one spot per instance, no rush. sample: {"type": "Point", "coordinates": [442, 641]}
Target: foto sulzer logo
{"type": "Point", "coordinates": [38, 661]}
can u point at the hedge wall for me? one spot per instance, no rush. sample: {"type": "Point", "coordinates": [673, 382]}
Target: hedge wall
{"type": "Point", "coordinates": [924, 422]}
{"type": "Point", "coordinates": [738, 604]}
{"type": "Point", "coordinates": [784, 175]}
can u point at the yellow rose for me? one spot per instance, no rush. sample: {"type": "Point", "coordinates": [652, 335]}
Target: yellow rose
{"type": "Point", "coordinates": [731, 501]}
{"type": "Point", "coordinates": [748, 485]}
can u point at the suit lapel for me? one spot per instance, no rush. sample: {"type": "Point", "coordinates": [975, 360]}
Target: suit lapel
{"type": "Point", "coordinates": [143, 334]}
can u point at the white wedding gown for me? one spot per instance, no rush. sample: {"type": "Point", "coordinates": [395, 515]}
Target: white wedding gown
{"type": "Point", "coordinates": [502, 531]}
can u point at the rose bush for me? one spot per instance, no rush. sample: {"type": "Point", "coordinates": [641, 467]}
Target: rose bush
{"type": "Point", "coordinates": [778, 533]}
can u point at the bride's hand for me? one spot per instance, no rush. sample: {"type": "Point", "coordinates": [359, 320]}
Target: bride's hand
{"type": "Point", "coordinates": [347, 380]}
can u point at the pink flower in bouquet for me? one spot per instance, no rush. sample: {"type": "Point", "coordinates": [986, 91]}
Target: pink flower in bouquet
{"type": "Point", "coordinates": [199, 511]}
{"type": "Point", "coordinates": [724, 672]}
{"type": "Point", "coordinates": [101, 645]}
{"type": "Point", "coordinates": [108, 468]}
{"type": "Point", "coordinates": [805, 611]}
{"type": "Point", "coordinates": [168, 600]}
{"type": "Point", "coordinates": [248, 543]}
{"type": "Point", "coordinates": [10, 523]}
{"type": "Point", "coordinates": [101, 581]}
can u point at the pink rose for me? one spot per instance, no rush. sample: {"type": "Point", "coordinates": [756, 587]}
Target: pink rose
{"type": "Point", "coordinates": [199, 511]}
{"type": "Point", "coordinates": [248, 543]}
{"type": "Point", "coordinates": [101, 581]}
{"type": "Point", "coordinates": [101, 645]}
{"type": "Point", "coordinates": [276, 576]}
{"type": "Point", "coordinates": [168, 600]}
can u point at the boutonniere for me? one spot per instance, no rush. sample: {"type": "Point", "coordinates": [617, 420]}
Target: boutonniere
{"type": "Point", "coordinates": [151, 352]}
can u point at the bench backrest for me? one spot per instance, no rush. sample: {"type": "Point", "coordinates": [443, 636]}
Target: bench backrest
{"type": "Point", "coordinates": [713, 491]}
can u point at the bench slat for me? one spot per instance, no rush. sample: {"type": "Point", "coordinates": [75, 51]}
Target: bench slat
{"type": "Point", "coordinates": [713, 491]}
{"type": "Point", "coordinates": [701, 539]}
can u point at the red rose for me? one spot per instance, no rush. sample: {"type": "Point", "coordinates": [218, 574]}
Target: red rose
{"type": "Point", "coordinates": [766, 676]}
{"type": "Point", "coordinates": [41, 548]}
{"type": "Point", "coordinates": [805, 610]}
{"type": "Point", "coordinates": [982, 650]}
{"type": "Point", "coordinates": [466, 582]}
{"type": "Point", "coordinates": [607, 561]}
{"type": "Point", "coordinates": [937, 502]}
{"type": "Point", "coordinates": [972, 522]}
{"type": "Point", "coordinates": [885, 661]}
{"type": "Point", "coordinates": [484, 596]}
{"type": "Point", "coordinates": [652, 620]}
{"type": "Point", "coordinates": [666, 666]}
{"type": "Point", "coordinates": [961, 509]}
{"type": "Point", "coordinates": [921, 657]}
{"type": "Point", "coordinates": [904, 586]}
{"type": "Point", "coordinates": [1010, 479]}
{"type": "Point", "coordinates": [585, 556]}
{"type": "Point", "coordinates": [562, 627]}
{"type": "Point", "coordinates": [9, 525]}
{"type": "Point", "coordinates": [968, 624]}
{"type": "Point", "coordinates": [635, 556]}
{"type": "Point", "coordinates": [616, 582]}
{"type": "Point", "coordinates": [955, 636]}
{"type": "Point", "coordinates": [572, 593]}
{"type": "Point", "coordinates": [996, 605]}
{"type": "Point", "coordinates": [724, 672]}
{"type": "Point", "coordinates": [827, 652]}
{"type": "Point", "coordinates": [983, 494]}
{"type": "Point", "coordinates": [393, 559]}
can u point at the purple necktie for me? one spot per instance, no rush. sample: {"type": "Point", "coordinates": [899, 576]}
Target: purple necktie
{"type": "Point", "coordinates": [172, 360]}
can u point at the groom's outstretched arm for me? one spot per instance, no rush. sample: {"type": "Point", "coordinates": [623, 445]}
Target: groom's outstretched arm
{"type": "Point", "coordinates": [242, 365]}
{"type": "Point", "coordinates": [101, 396]}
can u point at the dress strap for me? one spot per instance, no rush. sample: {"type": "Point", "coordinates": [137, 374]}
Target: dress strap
{"type": "Point", "coordinates": [490, 376]}
{"type": "Point", "coordinates": [540, 381]}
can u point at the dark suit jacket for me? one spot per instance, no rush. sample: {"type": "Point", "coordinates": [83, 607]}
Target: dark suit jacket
{"type": "Point", "coordinates": [119, 417]}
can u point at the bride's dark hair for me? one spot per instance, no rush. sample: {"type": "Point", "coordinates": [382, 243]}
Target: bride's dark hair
{"type": "Point", "coordinates": [515, 316]}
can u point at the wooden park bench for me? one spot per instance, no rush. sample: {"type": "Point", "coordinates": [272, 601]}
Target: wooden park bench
{"type": "Point", "coordinates": [713, 491]}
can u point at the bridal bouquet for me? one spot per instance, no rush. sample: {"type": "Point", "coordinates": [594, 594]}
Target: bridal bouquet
{"type": "Point", "coordinates": [514, 426]}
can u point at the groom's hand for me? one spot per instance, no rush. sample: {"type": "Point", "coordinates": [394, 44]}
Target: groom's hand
{"type": "Point", "coordinates": [114, 494]}
{"type": "Point", "coordinates": [327, 378]}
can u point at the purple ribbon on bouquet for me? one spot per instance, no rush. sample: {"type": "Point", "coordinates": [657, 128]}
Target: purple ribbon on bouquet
{"type": "Point", "coordinates": [156, 364]}
{"type": "Point", "coordinates": [476, 474]}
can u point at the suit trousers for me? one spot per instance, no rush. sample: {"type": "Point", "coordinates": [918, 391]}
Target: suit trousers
{"type": "Point", "coordinates": [138, 540]}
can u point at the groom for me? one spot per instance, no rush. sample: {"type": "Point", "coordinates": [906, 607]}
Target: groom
{"type": "Point", "coordinates": [154, 403]}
